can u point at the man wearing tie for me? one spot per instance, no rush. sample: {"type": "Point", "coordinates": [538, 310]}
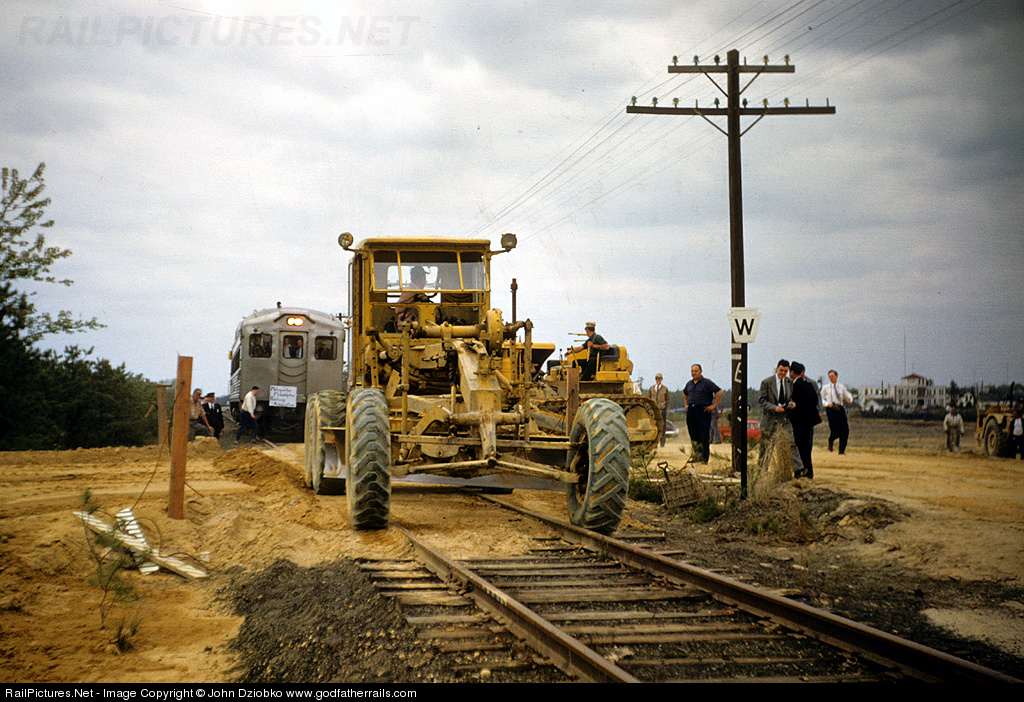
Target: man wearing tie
{"type": "Point", "coordinates": [834, 396]}
{"type": "Point", "coordinates": [659, 393]}
{"type": "Point", "coordinates": [775, 398]}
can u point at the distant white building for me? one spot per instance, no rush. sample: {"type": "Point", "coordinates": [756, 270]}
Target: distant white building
{"type": "Point", "coordinates": [914, 392]}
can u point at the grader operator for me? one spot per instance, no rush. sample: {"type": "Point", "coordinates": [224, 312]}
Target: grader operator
{"type": "Point", "coordinates": [441, 389]}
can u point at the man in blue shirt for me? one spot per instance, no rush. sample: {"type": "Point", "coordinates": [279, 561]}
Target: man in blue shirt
{"type": "Point", "coordinates": [701, 397]}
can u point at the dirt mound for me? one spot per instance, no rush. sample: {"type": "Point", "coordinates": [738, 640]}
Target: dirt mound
{"type": "Point", "coordinates": [324, 624]}
{"type": "Point", "coordinates": [866, 514]}
{"type": "Point", "coordinates": [204, 447]}
{"type": "Point", "coordinates": [253, 467]}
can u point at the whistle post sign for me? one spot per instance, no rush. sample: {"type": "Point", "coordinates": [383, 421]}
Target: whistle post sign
{"type": "Point", "coordinates": [744, 322]}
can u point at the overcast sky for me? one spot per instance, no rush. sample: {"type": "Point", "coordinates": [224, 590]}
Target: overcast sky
{"type": "Point", "coordinates": [202, 158]}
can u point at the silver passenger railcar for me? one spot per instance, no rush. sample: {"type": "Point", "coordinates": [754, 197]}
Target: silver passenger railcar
{"type": "Point", "coordinates": [290, 353]}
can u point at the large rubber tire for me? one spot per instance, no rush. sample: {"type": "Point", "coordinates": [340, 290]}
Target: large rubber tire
{"type": "Point", "coordinates": [322, 410]}
{"type": "Point", "coordinates": [994, 439]}
{"type": "Point", "coordinates": [368, 438]}
{"type": "Point", "coordinates": [597, 500]}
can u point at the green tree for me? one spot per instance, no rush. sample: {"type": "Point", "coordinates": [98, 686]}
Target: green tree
{"type": "Point", "coordinates": [48, 400]}
{"type": "Point", "coordinates": [96, 404]}
{"type": "Point", "coordinates": [24, 256]}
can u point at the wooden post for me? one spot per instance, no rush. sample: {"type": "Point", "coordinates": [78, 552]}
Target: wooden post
{"type": "Point", "coordinates": [161, 409]}
{"type": "Point", "coordinates": [179, 437]}
{"type": "Point", "coordinates": [733, 110]}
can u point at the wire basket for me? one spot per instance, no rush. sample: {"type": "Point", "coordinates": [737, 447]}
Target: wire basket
{"type": "Point", "coordinates": [681, 489]}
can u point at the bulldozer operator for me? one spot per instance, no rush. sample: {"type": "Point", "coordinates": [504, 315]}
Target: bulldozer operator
{"type": "Point", "coordinates": [418, 281]}
{"type": "Point", "coordinates": [597, 345]}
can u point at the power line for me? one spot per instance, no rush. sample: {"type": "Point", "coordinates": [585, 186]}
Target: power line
{"type": "Point", "coordinates": [611, 147]}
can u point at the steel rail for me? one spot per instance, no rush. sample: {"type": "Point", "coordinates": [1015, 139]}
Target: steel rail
{"type": "Point", "coordinates": [565, 652]}
{"type": "Point", "coordinates": [911, 658]}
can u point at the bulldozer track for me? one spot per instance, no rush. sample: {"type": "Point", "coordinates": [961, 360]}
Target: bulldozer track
{"type": "Point", "coordinates": [599, 609]}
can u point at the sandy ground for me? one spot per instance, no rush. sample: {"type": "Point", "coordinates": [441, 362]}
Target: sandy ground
{"type": "Point", "coordinates": [245, 508]}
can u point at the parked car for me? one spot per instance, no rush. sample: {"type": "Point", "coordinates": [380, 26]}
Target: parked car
{"type": "Point", "coordinates": [753, 431]}
{"type": "Point", "coordinates": [670, 429]}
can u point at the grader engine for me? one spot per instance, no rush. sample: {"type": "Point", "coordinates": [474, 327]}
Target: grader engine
{"type": "Point", "coordinates": [442, 390]}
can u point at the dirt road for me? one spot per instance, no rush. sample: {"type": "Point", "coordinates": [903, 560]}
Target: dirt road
{"type": "Point", "coordinates": [962, 521]}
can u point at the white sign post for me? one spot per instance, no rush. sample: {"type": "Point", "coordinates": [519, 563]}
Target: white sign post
{"type": "Point", "coordinates": [744, 322]}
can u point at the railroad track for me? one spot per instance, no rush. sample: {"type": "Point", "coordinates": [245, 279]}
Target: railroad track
{"type": "Point", "coordinates": [601, 610]}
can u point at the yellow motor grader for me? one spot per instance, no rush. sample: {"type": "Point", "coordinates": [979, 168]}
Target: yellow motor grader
{"type": "Point", "coordinates": [442, 390]}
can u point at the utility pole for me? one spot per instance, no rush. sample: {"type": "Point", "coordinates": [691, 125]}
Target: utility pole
{"type": "Point", "coordinates": [733, 110]}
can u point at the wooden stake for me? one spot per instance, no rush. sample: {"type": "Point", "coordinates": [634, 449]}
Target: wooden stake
{"type": "Point", "coordinates": [161, 411]}
{"type": "Point", "coordinates": [179, 438]}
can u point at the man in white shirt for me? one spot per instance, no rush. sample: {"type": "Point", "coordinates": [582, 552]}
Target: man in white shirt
{"type": "Point", "coordinates": [834, 395]}
{"type": "Point", "coordinates": [1015, 431]}
{"type": "Point", "coordinates": [247, 415]}
{"type": "Point", "coordinates": [954, 426]}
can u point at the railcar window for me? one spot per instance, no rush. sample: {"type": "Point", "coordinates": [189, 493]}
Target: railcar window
{"type": "Point", "coordinates": [325, 349]}
{"type": "Point", "coordinates": [260, 345]}
{"type": "Point", "coordinates": [292, 346]}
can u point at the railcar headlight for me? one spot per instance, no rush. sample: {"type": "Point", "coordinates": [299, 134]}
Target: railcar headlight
{"type": "Point", "coordinates": [295, 321]}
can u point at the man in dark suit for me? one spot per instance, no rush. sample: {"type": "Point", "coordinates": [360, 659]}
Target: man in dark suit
{"type": "Point", "coordinates": [775, 398]}
{"type": "Point", "coordinates": [214, 415]}
{"type": "Point", "coordinates": [804, 417]}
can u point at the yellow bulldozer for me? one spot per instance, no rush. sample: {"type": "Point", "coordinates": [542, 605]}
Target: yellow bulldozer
{"type": "Point", "coordinates": [442, 390]}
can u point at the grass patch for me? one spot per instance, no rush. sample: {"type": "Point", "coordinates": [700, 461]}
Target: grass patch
{"type": "Point", "coordinates": [708, 509]}
{"type": "Point", "coordinates": [644, 489]}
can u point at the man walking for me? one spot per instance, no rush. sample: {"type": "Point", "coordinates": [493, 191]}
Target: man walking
{"type": "Point", "coordinates": [775, 398]}
{"type": "Point", "coordinates": [834, 396]}
{"type": "Point", "coordinates": [954, 426]}
{"type": "Point", "coordinates": [659, 394]}
{"type": "Point", "coordinates": [247, 415]}
{"type": "Point", "coordinates": [701, 397]}
{"type": "Point", "coordinates": [805, 417]}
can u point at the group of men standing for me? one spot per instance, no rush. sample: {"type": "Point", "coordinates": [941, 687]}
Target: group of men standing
{"type": "Point", "coordinates": [789, 413]}
{"type": "Point", "coordinates": [207, 417]}
{"type": "Point", "coordinates": [789, 404]}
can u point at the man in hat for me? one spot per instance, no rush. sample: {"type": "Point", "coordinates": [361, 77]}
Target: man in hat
{"type": "Point", "coordinates": [214, 415]}
{"type": "Point", "coordinates": [597, 345]}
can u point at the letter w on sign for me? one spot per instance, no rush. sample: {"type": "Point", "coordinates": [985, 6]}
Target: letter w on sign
{"type": "Point", "coordinates": [744, 322]}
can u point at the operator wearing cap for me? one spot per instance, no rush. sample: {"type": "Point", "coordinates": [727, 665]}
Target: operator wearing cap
{"type": "Point", "coordinates": [597, 345]}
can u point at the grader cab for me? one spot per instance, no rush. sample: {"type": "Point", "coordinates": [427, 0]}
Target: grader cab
{"type": "Point", "coordinates": [441, 389]}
